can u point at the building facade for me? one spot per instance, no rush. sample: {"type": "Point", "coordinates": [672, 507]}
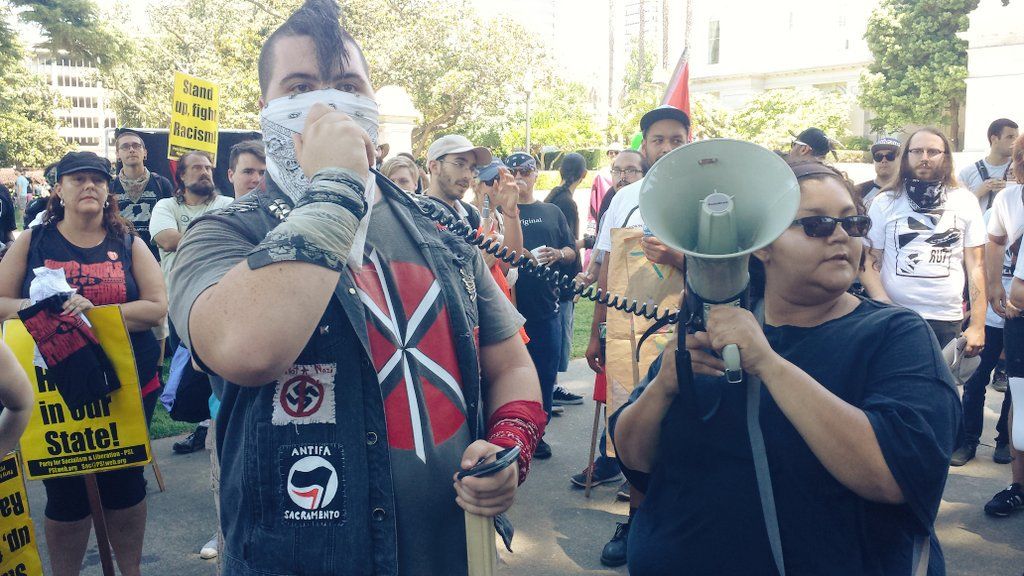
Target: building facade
{"type": "Point", "coordinates": [85, 122]}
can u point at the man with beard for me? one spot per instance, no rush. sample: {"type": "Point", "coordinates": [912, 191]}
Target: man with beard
{"type": "Point", "coordinates": [138, 190]}
{"type": "Point", "coordinates": [453, 163]}
{"type": "Point", "coordinates": [353, 335]}
{"type": "Point", "coordinates": [884, 154]}
{"type": "Point", "coordinates": [664, 129]}
{"type": "Point", "coordinates": [924, 229]}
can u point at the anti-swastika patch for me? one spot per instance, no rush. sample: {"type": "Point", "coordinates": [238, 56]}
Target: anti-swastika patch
{"type": "Point", "coordinates": [305, 395]}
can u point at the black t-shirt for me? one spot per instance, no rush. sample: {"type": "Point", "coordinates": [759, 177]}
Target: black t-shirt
{"type": "Point", "coordinates": [562, 198]}
{"type": "Point", "coordinates": [33, 209]}
{"type": "Point", "coordinates": [140, 212]}
{"type": "Point", "coordinates": [702, 513]}
{"type": "Point", "coordinates": [7, 221]}
{"type": "Point", "coordinates": [543, 225]}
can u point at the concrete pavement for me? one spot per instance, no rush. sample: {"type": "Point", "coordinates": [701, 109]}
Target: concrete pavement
{"type": "Point", "coordinates": [558, 531]}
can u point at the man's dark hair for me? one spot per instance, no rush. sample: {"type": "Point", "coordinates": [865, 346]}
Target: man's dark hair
{"type": "Point", "coordinates": [254, 147]}
{"type": "Point", "coordinates": [179, 171]}
{"type": "Point", "coordinates": [995, 129]}
{"type": "Point", "coordinates": [643, 161]}
{"type": "Point", "coordinates": [122, 132]}
{"type": "Point", "coordinates": [320, 20]}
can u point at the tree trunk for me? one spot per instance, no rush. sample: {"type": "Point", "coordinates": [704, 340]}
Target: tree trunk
{"type": "Point", "coordinates": [954, 124]}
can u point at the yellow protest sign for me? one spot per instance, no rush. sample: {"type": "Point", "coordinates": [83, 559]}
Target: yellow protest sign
{"type": "Point", "coordinates": [105, 435]}
{"type": "Point", "coordinates": [19, 555]}
{"type": "Point", "coordinates": [194, 115]}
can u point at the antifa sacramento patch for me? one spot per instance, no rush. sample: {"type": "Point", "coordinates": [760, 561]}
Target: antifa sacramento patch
{"type": "Point", "coordinates": [311, 477]}
{"type": "Point", "coordinates": [305, 395]}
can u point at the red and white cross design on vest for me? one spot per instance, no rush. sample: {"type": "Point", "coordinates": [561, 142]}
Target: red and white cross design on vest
{"type": "Point", "coordinates": [413, 353]}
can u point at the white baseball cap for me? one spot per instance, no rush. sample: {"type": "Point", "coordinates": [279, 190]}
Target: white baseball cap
{"type": "Point", "coordinates": [456, 144]}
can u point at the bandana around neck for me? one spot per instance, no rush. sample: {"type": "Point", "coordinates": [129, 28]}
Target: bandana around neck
{"type": "Point", "coordinates": [286, 116]}
{"type": "Point", "coordinates": [925, 194]}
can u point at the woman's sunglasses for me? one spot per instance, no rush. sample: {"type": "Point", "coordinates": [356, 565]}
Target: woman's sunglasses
{"type": "Point", "coordinates": [890, 156]}
{"type": "Point", "coordinates": [824, 226]}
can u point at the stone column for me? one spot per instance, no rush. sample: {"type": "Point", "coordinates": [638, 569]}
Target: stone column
{"type": "Point", "coordinates": [398, 117]}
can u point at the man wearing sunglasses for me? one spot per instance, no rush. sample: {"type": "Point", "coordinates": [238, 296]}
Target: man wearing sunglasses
{"type": "Point", "coordinates": [884, 154]}
{"type": "Point", "coordinates": [986, 177]}
{"type": "Point", "coordinates": [924, 229]}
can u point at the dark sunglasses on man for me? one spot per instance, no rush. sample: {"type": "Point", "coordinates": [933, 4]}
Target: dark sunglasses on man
{"type": "Point", "coordinates": [890, 156]}
{"type": "Point", "coordinates": [520, 171]}
{"type": "Point", "coordinates": [823, 226]}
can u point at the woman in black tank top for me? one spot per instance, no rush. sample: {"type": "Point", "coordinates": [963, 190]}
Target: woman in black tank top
{"type": "Point", "coordinates": [85, 236]}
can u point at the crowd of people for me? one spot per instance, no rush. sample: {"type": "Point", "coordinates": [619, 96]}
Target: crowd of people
{"type": "Point", "coordinates": [361, 352]}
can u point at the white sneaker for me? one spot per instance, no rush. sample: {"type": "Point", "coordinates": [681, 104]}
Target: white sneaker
{"type": "Point", "coordinates": [209, 550]}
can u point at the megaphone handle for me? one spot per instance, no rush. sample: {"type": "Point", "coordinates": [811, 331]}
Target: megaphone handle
{"type": "Point", "coordinates": [733, 368]}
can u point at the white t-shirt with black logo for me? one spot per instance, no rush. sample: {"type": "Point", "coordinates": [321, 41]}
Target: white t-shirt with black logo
{"type": "Point", "coordinates": [923, 263]}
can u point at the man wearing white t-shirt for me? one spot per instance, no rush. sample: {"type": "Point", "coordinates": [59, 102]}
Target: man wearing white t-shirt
{"type": "Point", "coordinates": [986, 177]}
{"type": "Point", "coordinates": [924, 229]}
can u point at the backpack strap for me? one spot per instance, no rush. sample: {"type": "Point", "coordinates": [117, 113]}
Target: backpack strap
{"type": "Point", "coordinates": [630, 215]}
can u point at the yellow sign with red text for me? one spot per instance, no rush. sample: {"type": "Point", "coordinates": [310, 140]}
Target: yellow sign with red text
{"type": "Point", "coordinates": [105, 435]}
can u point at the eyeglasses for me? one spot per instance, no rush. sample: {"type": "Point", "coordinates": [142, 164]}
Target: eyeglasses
{"type": "Point", "coordinates": [520, 171]}
{"type": "Point", "coordinates": [926, 152]}
{"type": "Point", "coordinates": [130, 146]}
{"type": "Point", "coordinates": [461, 165]}
{"type": "Point", "coordinates": [890, 156]}
{"type": "Point", "coordinates": [627, 171]}
{"type": "Point", "coordinates": [824, 226]}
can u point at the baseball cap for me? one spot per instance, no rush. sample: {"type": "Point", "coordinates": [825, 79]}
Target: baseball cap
{"type": "Point", "coordinates": [816, 139]}
{"type": "Point", "coordinates": [490, 171]}
{"type": "Point", "coordinates": [520, 160]}
{"type": "Point", "coordinates": [664, 112]}
{"type": "Point", "coordinates": [82, 161]}
{"type": "Point", "coordinates": [885, 143]}
{"type": "Point", "coordinates": [456, 144]}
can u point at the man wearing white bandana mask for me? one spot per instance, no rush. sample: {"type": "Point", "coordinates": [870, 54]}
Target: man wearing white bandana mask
{"type": "Point", "coordinates": [354, 337]}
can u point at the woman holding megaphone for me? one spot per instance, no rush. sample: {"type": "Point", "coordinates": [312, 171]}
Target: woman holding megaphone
{"type": "Point", "coordinates": [841, 467]}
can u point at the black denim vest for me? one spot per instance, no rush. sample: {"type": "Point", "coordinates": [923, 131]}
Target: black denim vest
{"type": "Point", "coordinates": [317, 498]}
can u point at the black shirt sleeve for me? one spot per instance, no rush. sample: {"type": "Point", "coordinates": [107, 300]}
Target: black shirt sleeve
{"type": "Point", "coordinates": [910, 400]}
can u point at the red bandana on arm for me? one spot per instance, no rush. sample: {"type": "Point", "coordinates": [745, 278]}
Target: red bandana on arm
{"type": "Point", "coordinates": [518, 423]}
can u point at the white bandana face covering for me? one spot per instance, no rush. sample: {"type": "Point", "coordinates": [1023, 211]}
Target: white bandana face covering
{"type": "Point", "coordinates": [286, 116]}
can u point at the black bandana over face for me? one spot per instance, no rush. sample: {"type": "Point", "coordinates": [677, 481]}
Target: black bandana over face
{"type": "Point", "coordinates": [926, 194]}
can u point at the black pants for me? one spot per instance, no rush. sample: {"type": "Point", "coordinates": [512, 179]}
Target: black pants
{"type": "Point", "coordinates": [945, 330]}
{"type": "Point", "coordinates": [974, 391]}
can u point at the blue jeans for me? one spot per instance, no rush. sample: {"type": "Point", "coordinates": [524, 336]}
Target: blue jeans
{"type": "Point", "coordinates": [565, 318]}
{"type": "Point", "coordinates": [545, 347]}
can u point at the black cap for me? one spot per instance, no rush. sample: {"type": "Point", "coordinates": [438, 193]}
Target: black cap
{"type": "Point", "coordinates": [520, 159]}
{"type": "Point", "coordinates": [664, 112]}
{"type": "Point", "coordinates": [122, 131]}
{"type": "Point", "coordinates": [81, 161]}
{"type": "Point", "coordinates": [816, 139]}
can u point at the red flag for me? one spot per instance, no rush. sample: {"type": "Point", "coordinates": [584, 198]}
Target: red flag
{"type": "Point", "coordinates": [677, 93]}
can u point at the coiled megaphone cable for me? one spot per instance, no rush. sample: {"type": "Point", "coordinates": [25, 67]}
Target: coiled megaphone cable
{"type": "Point", "coordinates": [460, 228]}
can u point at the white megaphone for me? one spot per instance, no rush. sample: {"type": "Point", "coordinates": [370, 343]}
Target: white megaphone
{"type": "Point", "coordinates": [718, 201]}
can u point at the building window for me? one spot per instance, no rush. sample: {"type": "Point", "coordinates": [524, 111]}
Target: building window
{"type": "Point", "coordinates": [714, 34]}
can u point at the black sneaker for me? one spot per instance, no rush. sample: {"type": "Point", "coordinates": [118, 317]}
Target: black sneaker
{"type": "Point", "coordinates": [1006, 502]}
{"type": "Point", "coordinates": [194, 442]}
{"type": "Point", "coordinates": [963, 454]}
{"type": "Point", "coordinates": [1002, 453]}
{"type": "Point", "coordinates": [1000, 381]}
{"type": "Point", "coordinates": [543, 450]}
{"type": "Point", "coordinates": [602, 475]}
{"type": "Point", "coordinates": [563, 397]}
{"type": "Point", "coordinates": [614, 553]}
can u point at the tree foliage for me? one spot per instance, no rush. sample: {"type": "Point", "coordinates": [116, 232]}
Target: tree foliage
{"type": "Point", "coordinates": [559, 117]}
{"type": "Point", "coordinates": [68, 26]}
{"type": "Point", "coordinates": [28, 126]}
{"type": "Point", "coordinates": [917, 76]}
{"type": "Point", "coordinates": [772, 117]}
{"type": "Point", "coordinates": [639, 95]}
{"type": "Point", "coordinates": [460, 77]}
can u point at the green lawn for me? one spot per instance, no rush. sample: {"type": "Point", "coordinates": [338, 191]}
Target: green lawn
{"type": "Point", "coordinates": [162, 425]}
{"type": "Point", "coordinates": [584, 315]}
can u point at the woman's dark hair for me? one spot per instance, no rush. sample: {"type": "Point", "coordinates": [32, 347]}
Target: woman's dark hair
{"type": "Point", "coordinates": [807, 170]}
{"type": "Point", "coordinates": [572, 170]}
{"type": "Point", "coordinates": [113, 222]}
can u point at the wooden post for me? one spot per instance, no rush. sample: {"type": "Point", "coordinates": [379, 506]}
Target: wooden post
{"type": "Point", "coordinates": [593, 449]}
{"type": "Point", "coordinates": [100, 523]}
{"type": "Point", "coordinates": [480, 549]}
{"type": "Point", "coordinates": [159, 476]}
